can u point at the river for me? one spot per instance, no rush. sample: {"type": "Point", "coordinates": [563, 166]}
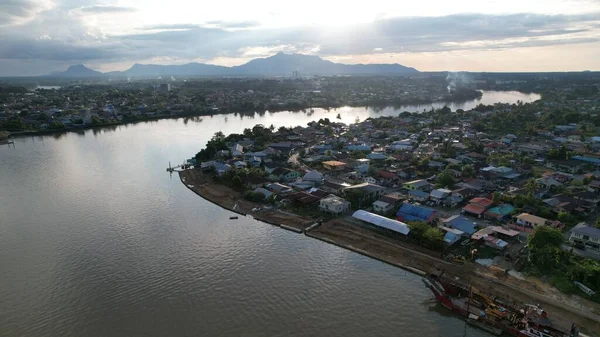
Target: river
{"type": "Point", "coordinates": [96, 239]}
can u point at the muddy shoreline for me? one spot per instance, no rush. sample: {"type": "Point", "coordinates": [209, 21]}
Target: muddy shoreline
{"type": "Point", "coordinates": [563, 309]}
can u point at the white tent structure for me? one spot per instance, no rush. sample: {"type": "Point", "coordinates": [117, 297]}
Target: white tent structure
{"type": "Point", "coordinates": [380, 221]}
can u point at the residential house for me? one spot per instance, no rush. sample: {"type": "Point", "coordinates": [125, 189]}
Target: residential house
{"type": "Point", "coordinates": [452, 235]}
{"type": "Point", "coordinates": [237, 150]}
{"type": "Point", "coordinates": [271, 152]}
{"type": "Point", "coordinates": [489, 236]}
{"type": "Point", "coordinates": [285, 174]}
{"type": "Point", "coordinates": [586, 236]}
{"type": "Point", "coordinates": [410, 212]}
{"type": "Point", "coordinates": [477, 206]}
{"type": "Point", "coordinates": [527, 222]}
{"type": "Point", "coordinates": [304, 199]}
{"type": "Point", "coordinates": [548, 182]}
{"type": "Point", "coordinates": [421, 185]}
{"type": "Point", "coordinates": [334, 165]}
{"type": "Point", "coordinates": [376, 156]}
{"type": "Point", "coordinates": [386, 204]}
{"type": "Point", "coordinates": [362, 165]}
{"type": "Point", "coordinates": [461, 194]}
{"type": "Point", "coordinates": [322, 149]}
{"type": "Point", "coordinates": [407, 173]}
{"type": "Point", "coordinates": [474, 184]}
{"type": "Point", "coordinates": [388, 177]}
{"type": "Point", "coordinates": [240, 164]}
{"type": "Point", "coordinates": [588, 196]}
{"type": "Point", "coordinates": [594, 186]}
{"type": "Point", "coordinates": [418, 195]}
{"type": "Point", "coordinates": [284, 147]}
{"type": "Point", "coordinates": [500, 212]}
{"type": "Point", "coordinates": [278, 188]}
{"type": "Point", "coordinates": [532, 149]}
{"type": "Point", "coordinates": [440, 195]}
{"type": "Point", "coordinates": [400, 145]}
{"type": "Point", "coordinates": [368, 190]}
{"type": "Point", "coordinates": [359, 147]}
{"type": "Point", "coordinates": [436, 165]}
{"type": "Point", "coordinates": [570, 166]}
{"type": "Point", "coordinates": [334, 187]}
{"type": "Point", "coordinates": [334, 205]}
{"type": "Point", "coordinates": [461, 223]}
{"type": "Point", "coordinates": [263, 191]}
{"type": "Point", "coordinates": [370, 180]}
{"type": "Point", "coordinates": [313, 176]}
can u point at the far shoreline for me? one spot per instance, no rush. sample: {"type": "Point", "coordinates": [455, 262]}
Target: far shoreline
{"type": "Point", "coordinates": [24, 133]}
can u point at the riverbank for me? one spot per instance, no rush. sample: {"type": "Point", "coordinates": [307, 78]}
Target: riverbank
{"type": "Point", "coordinates": [563, 309]}
{"type": "Point", "coordinates": [232, 200]}
{"type": "Point", "coordinates": [209, 113]}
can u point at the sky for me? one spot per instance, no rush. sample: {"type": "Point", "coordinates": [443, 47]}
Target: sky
{"type": "Point", "coordinates": [41, 36]}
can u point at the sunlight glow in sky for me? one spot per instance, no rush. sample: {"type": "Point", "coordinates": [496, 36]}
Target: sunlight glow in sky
{"type": "Point", "coordinates": [40, 36]}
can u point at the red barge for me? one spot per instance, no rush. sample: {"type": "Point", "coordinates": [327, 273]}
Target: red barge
{"type": "Point", "coordinates": [491, 315]}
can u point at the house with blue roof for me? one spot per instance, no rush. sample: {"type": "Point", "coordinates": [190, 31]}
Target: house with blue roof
{"type": "Point", "coordinates": [500, 212]}
{"type": "Point", "coordinates": [363, 147]}
{"type": "Point", "coordinates": [452, 235]}
{"type": "Point", "coordinates": [418, 195]}
{"type": "Point", "coordinates": [410, 212]}
{"type": "Point", "coordinates": [461, 223]}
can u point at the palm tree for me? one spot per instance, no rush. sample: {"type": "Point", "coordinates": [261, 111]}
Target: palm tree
{"type": "Point", "coordinates": [531, 186]}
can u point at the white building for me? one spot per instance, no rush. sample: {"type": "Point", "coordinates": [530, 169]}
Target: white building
{"type": "Point", "coordinates": [334, 205]}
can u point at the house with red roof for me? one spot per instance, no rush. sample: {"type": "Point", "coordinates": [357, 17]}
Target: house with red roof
{"type": "Point", "coordinates": [477, 206]}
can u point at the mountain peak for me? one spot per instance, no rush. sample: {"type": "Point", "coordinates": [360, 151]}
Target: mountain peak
{"type": "Point", "coordinates": [279, 64]}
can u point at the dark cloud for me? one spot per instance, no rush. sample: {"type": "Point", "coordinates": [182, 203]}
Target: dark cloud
{"type": "Point", "coordinates": [14, 10]}
{"type": "Point", "coordinates": [413, 34]}
{"type": "Point", "coordinates": [107, 9]}
{"type": "Point", "coordinates": [73, 42]}
{"type": "Point", "coordinates": [53, 50]}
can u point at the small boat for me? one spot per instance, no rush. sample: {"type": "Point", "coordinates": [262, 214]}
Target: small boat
{"type": "Point", "coordinates": [233, 217]}
{"type": "Point", "coordinates": [483, 325]}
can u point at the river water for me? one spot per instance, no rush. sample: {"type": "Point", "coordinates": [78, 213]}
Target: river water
{"type": "Point", "coordinates": [96, 239]}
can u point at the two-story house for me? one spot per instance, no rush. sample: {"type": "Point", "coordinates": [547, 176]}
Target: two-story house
{"type": "Point", "coordinates": [586, 237]}
{"type": "Point", "coordinates": [334, 205]}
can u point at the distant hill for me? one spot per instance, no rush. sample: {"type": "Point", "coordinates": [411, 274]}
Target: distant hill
{"type": "Point", "coordinates": [78, 70]}
{"type": "Point", "coordinates": [279, 64]}
{"type": "Point", "coordinates": [284, 64]}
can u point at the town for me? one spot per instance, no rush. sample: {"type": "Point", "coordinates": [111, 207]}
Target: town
{"type": "Point", "coordinates": [78, 106]}
{"type": "Point", "coordinates": [513, 188]}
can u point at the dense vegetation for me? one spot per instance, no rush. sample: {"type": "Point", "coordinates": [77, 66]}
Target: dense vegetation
{"type": "Point", "coordinates": [548, 259]}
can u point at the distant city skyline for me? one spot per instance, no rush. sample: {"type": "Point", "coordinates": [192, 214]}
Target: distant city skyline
{"type": "Point", "coordinates": [41, 36]}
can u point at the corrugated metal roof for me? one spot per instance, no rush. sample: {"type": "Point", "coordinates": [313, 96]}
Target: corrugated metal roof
{"type": "Point", "coordinates": [381, 221]}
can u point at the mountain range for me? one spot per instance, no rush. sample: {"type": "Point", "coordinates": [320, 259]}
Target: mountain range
{"type": "Point", "coordinates": [279, 64]}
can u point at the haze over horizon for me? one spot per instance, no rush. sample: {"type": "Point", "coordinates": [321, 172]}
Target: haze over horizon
{"type": "Point", "coordinates": [42, 36]}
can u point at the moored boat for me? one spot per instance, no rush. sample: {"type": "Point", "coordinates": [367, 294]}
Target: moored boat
{"type": "Point", "coordinates": [485, 313]}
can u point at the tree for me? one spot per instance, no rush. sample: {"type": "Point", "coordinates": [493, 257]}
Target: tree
{"type": "Point", "coordinates": [497, 198]}
{"type": "Point", "coordinates": [545, 236]}
{"type": "Point", "coordinates": [237, 182]}
{"type": "Point", "coordinates": [531, 186]}
{"type": "Point", "coordinates": [418, 229]}
{"type": "Point", "coordinates": [468, 171]}
{"type": "Point", "coordinates": [357, 154]}
{"type": "Point", "coordinates": [444, 179]}
{"type": "Point", "coordinates": [338, 116]}
{"type": "Point", "coordinates": [433, 238]}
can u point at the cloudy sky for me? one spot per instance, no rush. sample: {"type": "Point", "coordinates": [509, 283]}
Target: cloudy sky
{"type": "Point", "coordinates": [40, 36]}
